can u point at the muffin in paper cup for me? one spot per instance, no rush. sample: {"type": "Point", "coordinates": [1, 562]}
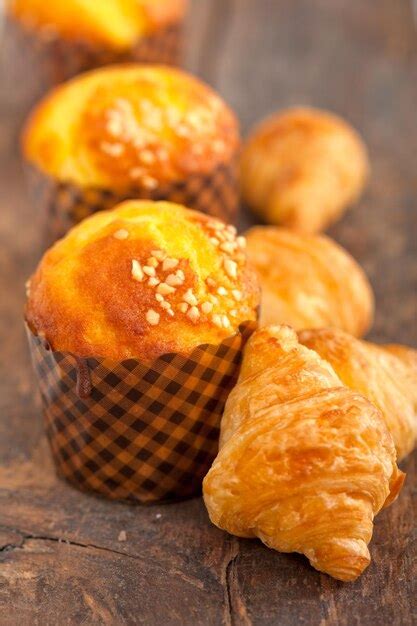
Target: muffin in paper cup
{"type": "Point", "coordinates": [132, 431]}
{"type": "Point", "coordinates": [136, 321]}
{"type": "Point", "coordinates": [131, 132]}
{"type": "Point", "coordinates": [63, 39]}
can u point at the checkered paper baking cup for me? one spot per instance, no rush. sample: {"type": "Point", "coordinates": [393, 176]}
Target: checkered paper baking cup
{"type": "Point", "coordinates": [137, 432]}
{"type": "Point", "coordinates": [53, 60]}
{"type": "Point", "coordinates": [66, 204]}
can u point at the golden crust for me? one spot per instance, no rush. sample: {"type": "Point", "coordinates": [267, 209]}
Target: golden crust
{"type": "Point", "coordinates": [304, 462]}
{"type": "Point", "coordinates": [302, 167]}
{"type": "Point", "coordinates": [387, 376]}
{"type": "Point", "coordinates": [115, 23]}
{"type": "Point", "coordinates": [308, 281]}
{"type": "Point", "coordinates": [127, 125]}
{"type": "Point", "coordinates": [140, 281]}
{"type": "Point", "coordinates": [407, 355]}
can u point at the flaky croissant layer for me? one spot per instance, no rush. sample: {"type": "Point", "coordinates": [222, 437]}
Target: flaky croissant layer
{"type": "Point", "coordinates": [386, 375]}
{"type": "Point", "coordinates": [304, 462]}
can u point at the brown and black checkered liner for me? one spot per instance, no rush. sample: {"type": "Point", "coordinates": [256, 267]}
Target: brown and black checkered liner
{"type": "Point", "coordinates": [65, 204]}
{"type": "Point", "coordinates": [54, 60]}
{"type": "Point", "coordinates": [131, 431]}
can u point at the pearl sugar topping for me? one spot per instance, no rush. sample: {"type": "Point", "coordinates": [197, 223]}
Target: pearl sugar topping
{"type": "Point", "coordinates": [162, 273]}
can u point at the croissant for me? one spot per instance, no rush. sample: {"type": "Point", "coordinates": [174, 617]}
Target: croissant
{"type": "Point", "coordinates": [304, 463]}
{"type": "Point", "coordinates": [302, 168]}
{"type": "Point", "coordinates": [386, 375]}
{"type": "Point", "coordinates": [309, 281]}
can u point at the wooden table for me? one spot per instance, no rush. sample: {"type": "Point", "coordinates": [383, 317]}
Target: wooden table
{"type": "Point", "coordinates": [61, 557]}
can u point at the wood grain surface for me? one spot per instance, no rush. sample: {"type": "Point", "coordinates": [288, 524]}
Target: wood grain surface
{"type": "Point", "coordinates": [63, 559]}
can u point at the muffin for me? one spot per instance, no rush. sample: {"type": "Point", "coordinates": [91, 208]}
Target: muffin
{"type": "Point", "coordinates": [132, 131]}
{"type": "Point", "coordinates": [137, 320]}
{"type": "Point", "coordinates": [309, 281]}
{"type": "Point", "coordinates": [140, 281]}
{"type": "Point", "coordinates": [302, 168]}
{"type": "Point", "coordinates": [63, 39]}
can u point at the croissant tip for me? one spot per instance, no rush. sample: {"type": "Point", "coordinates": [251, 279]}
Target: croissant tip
{"type": "Point", "coordinates": [281, 334]}
{"type": "Point", "coordinates": [396, 485]}
{"type": "Point", "coordinates": [344, 561]}
{"type": "Point", "coordinates": [277, 329]}
{"type": "Point", "coordinates": [347, 569]}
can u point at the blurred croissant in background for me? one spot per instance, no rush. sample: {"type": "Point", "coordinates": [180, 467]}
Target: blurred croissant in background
{"type": "Point", "coordinates": [309, 281]}
{"type": "Point", "coordinates": [302, 168]}
{"type": "Point", "coordinates": [386, 375]}
{"type": "Point", "coordinates": [305, 463]}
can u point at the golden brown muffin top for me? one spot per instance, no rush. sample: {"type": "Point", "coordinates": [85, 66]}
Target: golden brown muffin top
{"type": "Point", "coordinates": [114, 23]}
{"type": "Point", "coordinates": [142, 280]}
{"type": "Point", "coordinates": [128, 125]}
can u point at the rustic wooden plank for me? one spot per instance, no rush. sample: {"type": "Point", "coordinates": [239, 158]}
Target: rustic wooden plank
{"type": "Point", "coordinates": [96, 586]}
{"type": "Point", "coordinates": [61, 560]}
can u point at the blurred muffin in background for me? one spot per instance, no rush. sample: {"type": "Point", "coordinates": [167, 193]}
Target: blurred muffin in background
{"type": "Point", "coordinates": [58, 40]}
{"type": "Point", "coordinates": [301, 168]}
{"type": "Point", "coordinates": [133, 131]}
